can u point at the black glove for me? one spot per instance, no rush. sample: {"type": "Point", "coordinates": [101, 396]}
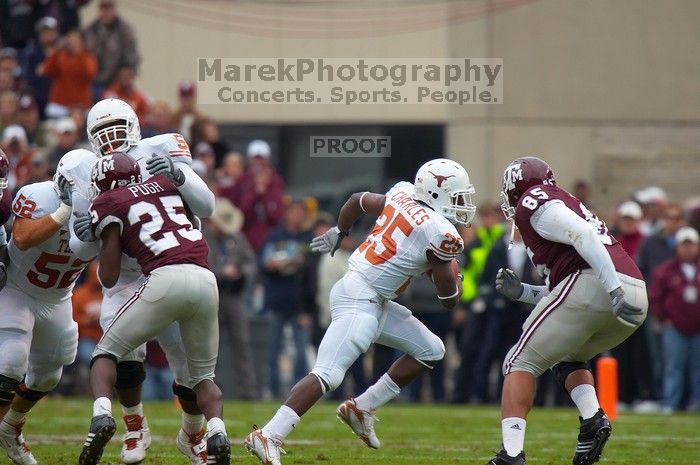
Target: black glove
{"type": "Point", "coordinates": [3, 275]}
{"type": "Point", "coordinates": [83, 227]}
{"type": "Point", "coordinates": [64, 190]}
{"type": "Point", "coordinates": [626, 313]}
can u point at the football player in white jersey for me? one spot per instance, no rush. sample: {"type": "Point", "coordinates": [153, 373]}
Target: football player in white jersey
{"type": "Point", "coordinates": [112, 125]}
{"type": "Point", "coordinates": [37, 333]}
{"type": "Point", "coordinates": [414, 234]}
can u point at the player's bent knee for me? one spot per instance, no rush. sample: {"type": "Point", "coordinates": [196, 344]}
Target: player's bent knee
{"type": "Point", "coordinates": [329, 380]}
{"type": "Point", "coordinates": [562, 370]}
{"type": "Point", "coordinates": [185, 393]}
{"type": "Point", "coordinates": [34, 395]}
{"type": "Point", "coordinates": [8, 387]}
{"type": "Point", "coordinates": [431, 353]}
{"type": "Point", "coordinates": [130, 375]}
{"type": "Point", "coordinates": [42, 380]}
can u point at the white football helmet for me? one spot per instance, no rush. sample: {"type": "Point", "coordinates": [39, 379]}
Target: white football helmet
{"type": "Point", "coordinates": [444, 186]}
{"type": "Point", "coordinates": [112, 126]}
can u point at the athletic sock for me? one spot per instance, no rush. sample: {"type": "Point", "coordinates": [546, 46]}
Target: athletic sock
{"type": "Point", "coordinates": [135, 410]}
{"type": "Point", "coordinates": [281, 424]}
{"type": "Point", "coordinates": [378, 394]}
{"type": "Point", "coordinates": [102, 406]}
{"type": "Point", "coordinates": [513, 429]}
{"type": "Point", "coordinates": [214, 426]}
{"type": "Point", "coordinates": [13, 419]}
{"type": "Point", "coordinates": [192, 424]}
{"type": "Point", "coordinates": [585, 399]}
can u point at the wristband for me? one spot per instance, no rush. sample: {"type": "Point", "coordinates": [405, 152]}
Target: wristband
{"type": "Point", "coordinates": [62, 214]}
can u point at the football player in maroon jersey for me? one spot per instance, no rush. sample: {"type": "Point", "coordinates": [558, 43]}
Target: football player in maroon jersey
{"type": "Point", "coordinates": [594, 299]}
{"type": "Point", "coordinates": [149, 222]}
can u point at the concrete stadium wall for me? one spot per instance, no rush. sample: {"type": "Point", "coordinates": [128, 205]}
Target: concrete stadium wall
{"type": "Point", "coordinates": [584, 82]}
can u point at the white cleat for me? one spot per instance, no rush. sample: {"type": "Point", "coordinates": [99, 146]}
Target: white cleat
{"type": "Point", "coordinates": [267, 449]}
{"type": "Point", "coordinates": [15, 446]}
{"type": "Point", "coordinates": [361, 422]}
{"type": "Point", "coordinates": [193, 446]}
{"type": "Point", "coordinates": [136, 440]}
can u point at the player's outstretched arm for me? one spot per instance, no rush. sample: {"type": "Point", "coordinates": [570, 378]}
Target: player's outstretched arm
{"type": "Point", "coordinates": [358, 204]}
{"type": "Point", "coordinates": [199, 198]}
{"type": "Point", "coordinates": [110, 256]}
{"type": "Point", "coordinates": [447, 283]}
{"type": "Point", "coordinates": [30, 232]}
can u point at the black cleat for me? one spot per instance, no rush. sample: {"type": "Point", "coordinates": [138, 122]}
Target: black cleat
{"type": "Point", "coordinates": [504, 459]}
{"type": "Point", "coordinates": [592, 436]}
{"type": "Point", "coordinates": [102, 429]}
{"type": "Point", "coordinates": [218, 450]}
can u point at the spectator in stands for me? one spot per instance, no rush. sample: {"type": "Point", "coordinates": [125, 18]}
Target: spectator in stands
{"type": "Point", "coordinates": [16, 147]}
{"type": "Point", "coordinates": [626, 231]}
{"type": "Point", "coordinates": [71, 68]}
{"type": "Point", "coordinates": [159, 120]}
{"type": "Point", "coordinates": [653, 201]}
{"type": "Point", "coordinates": [282, 258]}
{"type": "Point", "coordinates": [28, 117]}
{"type": "Point", "coordinates": [8, 108]}
{"type": "Point", "coordinates": [231, 174]}
{"type": "Point", "coordinates": [66, 12]}
{"type": "Point", "coordinates": [34, 55]}
{"type": "Point", "coordinates": [159, 377]}
{"type": "Point", "coordinates": [235, 265]}
{"type": "Point", "coordinates": [78, 115]}
{"type": "Point", "coordinates": [113, 41]}
{"type": "Point", "coordinates": [39, 169]}
{"type": "Point", "coordinates": [674, 298]}
{"type": "Point", "coordinates": [67, 137]}
{"type": "Point", "coordinates": [87, 299]}
{"type": "Point", "coordinates": [16, 23]}
{"type": "Point", "coordinates": [187, 113]}
{"type": "Point", "coordinates": [206, 130]}
{"type": "Point", "coordinates": [124, 88]}
{"type": "Point", "coordinates": [473, 260]}
{"type": "Point", "coordinates": [204, 152]}
{"type": "Point", "coordinates": [259, 195]}
{"type": "Point", "coordinates": [582, 191]}
{"type": "Point", "coordinates": [9, 67]}
{"type": "Point", "coordinates": [661, 246]}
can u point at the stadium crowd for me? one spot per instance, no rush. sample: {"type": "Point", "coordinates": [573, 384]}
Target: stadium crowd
{"type": "Point", "coordinates": [52, 69]}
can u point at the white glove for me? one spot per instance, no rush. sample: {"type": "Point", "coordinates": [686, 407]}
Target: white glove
{"type": "Point", "coordinates": [83, 227]}
{"type": "Point", "coordinates": [163, 165]}
{"type": "Point", "coordinates": [508, 284]}
{"type": "Point", "coordinates": [328, 241]}
{"type": "Point", "coordinates": [64, 190]}
{"type": "Point", "coordinates": [626, 313]}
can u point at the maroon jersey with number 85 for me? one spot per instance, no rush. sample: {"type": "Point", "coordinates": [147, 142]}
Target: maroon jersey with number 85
{"type": "Point", "coordinates": [555, 260]}
{"type": "Point", "coordinates": [153, 223]}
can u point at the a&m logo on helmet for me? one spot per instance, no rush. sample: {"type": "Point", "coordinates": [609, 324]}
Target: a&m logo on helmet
{"type": "Point", "coordinates": [512, 174]}
{"type": "Point", "coordinates": [101, 168]}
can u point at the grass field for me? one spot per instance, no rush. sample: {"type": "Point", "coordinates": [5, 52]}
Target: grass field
{"type": "Point", "coordinates": [410, 434]}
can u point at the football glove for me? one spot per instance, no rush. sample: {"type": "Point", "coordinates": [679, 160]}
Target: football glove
{"type": "Point", "coordinates": [508, 284]}
{"type": "Point", "coordinates": [162, 165]}
{"type": "Point", "coordinates": [64, 190]}
{"type": "Point", "coordinates": [3, 275]}
{"type": "Point", "coordinates": [83, 227]}
{"type": "Point", "coordinates": [625, 312]}
{"type": "Point", "coordinates": [328, 241]}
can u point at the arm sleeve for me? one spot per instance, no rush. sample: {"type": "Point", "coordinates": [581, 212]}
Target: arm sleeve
{"type": "Point", "coordinates": [199, 198]}
{"type": "Point", "coordinates": [554, 221]}
{"type": "Point", "coordinates": [83, 250]}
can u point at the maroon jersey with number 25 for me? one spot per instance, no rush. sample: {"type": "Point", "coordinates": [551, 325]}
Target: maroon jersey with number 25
{"type": "Point", "coordinates": [153, 224]}
{"type": "Point", "coordinates": [555, 260]}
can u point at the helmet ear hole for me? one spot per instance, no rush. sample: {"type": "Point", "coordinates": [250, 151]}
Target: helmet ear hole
{"type": "Point", "coordinates": [435, 195]}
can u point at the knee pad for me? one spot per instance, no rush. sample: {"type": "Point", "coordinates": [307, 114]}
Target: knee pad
{"type": "Point", "coordinates": [130, 375]}
{"type": "Point", "coordinates": [30, 394]}
{"type": "Point", "coordinates": [185, 393]}
{"type": "Point", "coordinates": [433, 353]}
{"type": "Point", "coordinates": [8, 388]}
{"type": "Point", "coordinates": [329, 381]}
{"type": "Point", "coordinates": [41, 380]}
{"type": "Point", "coordinates": [563, 369]}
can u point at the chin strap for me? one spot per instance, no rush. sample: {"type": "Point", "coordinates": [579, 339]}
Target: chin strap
{"type": "Point", "coordinates": [512, 234]}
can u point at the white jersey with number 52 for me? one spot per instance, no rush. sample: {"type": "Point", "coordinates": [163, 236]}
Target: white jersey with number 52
{"type": "Point", "coordinates": [395, 250]}
{"type": "Point", "coordinates": [47, 271]}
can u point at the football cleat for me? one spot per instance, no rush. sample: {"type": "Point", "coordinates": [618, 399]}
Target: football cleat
{"type": "Point", "coordinates": [14, 445]}
{"type": "Point", "coordinates": [265, 448]}
{"type": "Point", "coordinates": [361, 422]}
{"type": "Point", "coordinates": [193, 446]}
{"type": "Point", "coordinates": [136, 439]}
{"type": "Point", "coordinates": [502, 458]}
{"type": "Point", "coordinates": [592, 436]}
{"type": "Point", "coordinates": [218, 450]}
{"type": "Point", "coordinates": [102, 429]}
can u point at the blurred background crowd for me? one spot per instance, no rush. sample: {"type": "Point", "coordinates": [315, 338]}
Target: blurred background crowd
{"type": "Point", "coordinates": [274, 293]}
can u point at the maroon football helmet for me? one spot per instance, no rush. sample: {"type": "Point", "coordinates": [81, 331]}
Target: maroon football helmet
{"type": "Point", "coordinates": [113, 171]}
{"type": "Point", "coordinates": [4, 170]}
{"type": "Point", "coordinates": [521, 175]}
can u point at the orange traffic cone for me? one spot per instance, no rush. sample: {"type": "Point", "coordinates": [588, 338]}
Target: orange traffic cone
{"type": "Point", "coordinates": [606, 384]}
